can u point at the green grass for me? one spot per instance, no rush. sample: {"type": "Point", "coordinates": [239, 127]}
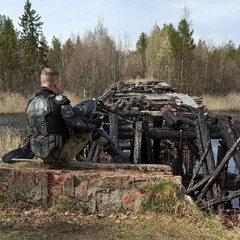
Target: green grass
{"type": "Point", "coordinates": [163, 197]}
{"type": "Point", "coordinates": [173, 219]}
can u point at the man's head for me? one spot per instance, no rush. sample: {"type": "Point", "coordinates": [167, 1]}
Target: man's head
{"type": "Point", "coordinates": [51, 78]}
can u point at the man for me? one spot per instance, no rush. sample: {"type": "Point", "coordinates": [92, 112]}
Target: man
{"type": "Point", "coordinates": [57, 132]}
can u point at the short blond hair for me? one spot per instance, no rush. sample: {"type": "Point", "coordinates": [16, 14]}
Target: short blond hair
{"type": "Point", "coordinates": [49, 76]}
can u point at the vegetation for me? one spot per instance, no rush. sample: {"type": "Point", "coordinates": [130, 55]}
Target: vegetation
{"type": "Point", "coordinates": [9, 102]}
{"type": "Point", "coordinates": [229, 102]}
{"type": "Point", "coordinates": [9, 141]}
{"type": "Point", "coordinates": [90, 63]}
{"type": "Point", "coordinates": [17, 102]}
{"type": "Point", "coordinates": [33, 45]}
{"type": "Point", "coordinates": [19, 220]}
{"type": "Point", "coordinates": [163, 197]}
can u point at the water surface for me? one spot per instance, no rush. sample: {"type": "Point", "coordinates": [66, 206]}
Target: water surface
{"type": "Point", "coordinates": [13, 123]}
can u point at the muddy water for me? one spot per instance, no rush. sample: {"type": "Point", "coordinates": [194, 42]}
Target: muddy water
{"type": "Point", "coordinates": [13, 123]}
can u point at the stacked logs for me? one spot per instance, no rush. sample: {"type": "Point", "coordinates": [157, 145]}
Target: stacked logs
{"type": "Point", "coordinates": [159, 126]}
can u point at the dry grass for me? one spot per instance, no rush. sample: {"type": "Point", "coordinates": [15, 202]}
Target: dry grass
{"type": "Point", "coordinates": [9, 141]}
{"type": "Point", "coordinates": [21, 220]}
{"type": "Point", "coordinates": [73, 98]}
{"type": "Point", "coordinates": [25, 222]}
{"type": "Point", "coordinates": [16, 102]}
{"type": "Point", "coordinates": [227, 103]}
{"type": "Point", "coordinates": [13, 103]}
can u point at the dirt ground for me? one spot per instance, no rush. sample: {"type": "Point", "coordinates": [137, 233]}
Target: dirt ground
{"type": "Point", "coordinates": [60, 230]}
{"type": "Point", "coordinates": [34, 224]}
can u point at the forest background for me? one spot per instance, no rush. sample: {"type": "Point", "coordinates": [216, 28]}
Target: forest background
{"type": "Point", "coordinates": [89, 64]}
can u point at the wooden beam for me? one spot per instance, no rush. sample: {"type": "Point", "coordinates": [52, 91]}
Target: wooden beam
{"type": "Point", "coordinates": [137, 143]}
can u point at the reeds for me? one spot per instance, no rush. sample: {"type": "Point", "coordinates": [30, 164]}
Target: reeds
{"type": "Point", "coordinates": [12, 103]}
{"type": "Point", "coordinates": [9, 141]}
{"type": "Point", "coordinates": [229, 102]}
{"type": "Point", "coordinates": [16, 103]}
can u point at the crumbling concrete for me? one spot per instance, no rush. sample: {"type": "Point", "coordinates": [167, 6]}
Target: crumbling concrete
{"type": "Point", "coordinates": [102, 189]}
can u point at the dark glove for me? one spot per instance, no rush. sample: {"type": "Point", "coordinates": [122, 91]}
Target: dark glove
{"type": "Point", "coordinates": [98, 122]}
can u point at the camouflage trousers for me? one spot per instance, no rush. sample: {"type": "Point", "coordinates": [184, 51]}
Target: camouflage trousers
{"type": "Point", "coordinates": [72, 147]}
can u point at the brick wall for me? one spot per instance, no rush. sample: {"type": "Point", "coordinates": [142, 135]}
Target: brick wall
{"type": "Point", "coordinates": [101, 190]}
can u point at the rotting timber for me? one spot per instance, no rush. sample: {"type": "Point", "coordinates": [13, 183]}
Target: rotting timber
{"type": "Point", "coordinates": [159, 126]}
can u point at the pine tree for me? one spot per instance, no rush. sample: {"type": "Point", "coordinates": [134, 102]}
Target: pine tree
{"type": "Point", "coordinates": [182, 47]}
{"type": "Point", "coordinates": [33, 44]}
{"type": "Point", "coordinates": [9, 54]}
{"type": "Point", "coordinates": [141, 50]}
{"type": "Point", "coordinates": [54, 55]}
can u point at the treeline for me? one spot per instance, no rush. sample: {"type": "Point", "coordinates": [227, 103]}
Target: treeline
{"type": "Point", "coordinates": [91, 63]}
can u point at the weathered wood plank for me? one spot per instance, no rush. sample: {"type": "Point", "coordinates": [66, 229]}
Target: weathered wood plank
{"type": "Point", "coordinates": [113, 129]}
{"type": "Point", "coordinates": [147, 140]}
{"type": "Point", "coordinates": [137, 142]}
{"type": "Point", "coordinates": [219, 168]}
{"type": "Point", "coordinates": [229, 136]}
{"type": "Point", "coordinates": [166, 133]}
{"type": "Point", "coordinates": [184, 99]}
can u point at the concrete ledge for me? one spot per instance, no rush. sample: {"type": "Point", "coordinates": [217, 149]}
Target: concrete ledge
{"type": "Point", "coordinates": [95, 188]}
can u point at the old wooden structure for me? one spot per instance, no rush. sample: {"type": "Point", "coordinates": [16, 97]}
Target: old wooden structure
{"type": "Point", "coordinates": [159, 126]}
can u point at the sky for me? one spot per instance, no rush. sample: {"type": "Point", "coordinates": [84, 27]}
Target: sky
{"type": "Point", "coordinates": [214, 21]}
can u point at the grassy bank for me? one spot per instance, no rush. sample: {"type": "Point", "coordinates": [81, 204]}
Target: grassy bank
{"type": "Point", "coordinates": [23, 223]}
{"type": "Point", "coordinates": [227, 103]}
{"type": "Point", "coordinates": [164, 215]}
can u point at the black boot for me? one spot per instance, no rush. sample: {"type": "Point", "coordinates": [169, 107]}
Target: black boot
{"type": "Point", "coordinates": [117, 155]}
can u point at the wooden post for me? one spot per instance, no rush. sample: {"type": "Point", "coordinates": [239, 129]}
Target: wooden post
{"type": "Point", "coordinates": [229, 136]}
{"type": "Point", "coordinates": [147, 140]}
{"type": "Point", "coordinates": [205, 151]}
{"type": "Point", "coordinates": [137, 142]}
{"type": "Point", "coordinates": [97, 151]}
{"type": "Point", "coordinates": [157, 124]}
{"type": "Point", "coordinates": [92, 152]}
{"type": "Point", "coordinates": [114, 128]}
{"type": "Point", "coordinates": [219, 168]}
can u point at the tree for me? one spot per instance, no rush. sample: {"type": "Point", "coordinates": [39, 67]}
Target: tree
{"type": "Point", "coordinates": [54, 54]}
{"type": "Point", "coordinates": [33, 44]}
{"type": "Point", "coordinates": [9, 55]}
{"type": "Point", "coordinates": [94, 63]}
{"type": "Point", "coordinates": [141, 51]}
{"type": "Point", "coordinates": [200, 80]}
{"type": "Point", "coordinates": [224, 69]}
{"type": "Point", "coordinates": [182, 47]}
{"type": "Point", "coordinates": [159, 56]}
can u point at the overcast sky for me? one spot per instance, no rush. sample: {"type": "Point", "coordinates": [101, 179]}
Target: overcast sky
{"type": "Point", "coordinates": [215, 21]}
